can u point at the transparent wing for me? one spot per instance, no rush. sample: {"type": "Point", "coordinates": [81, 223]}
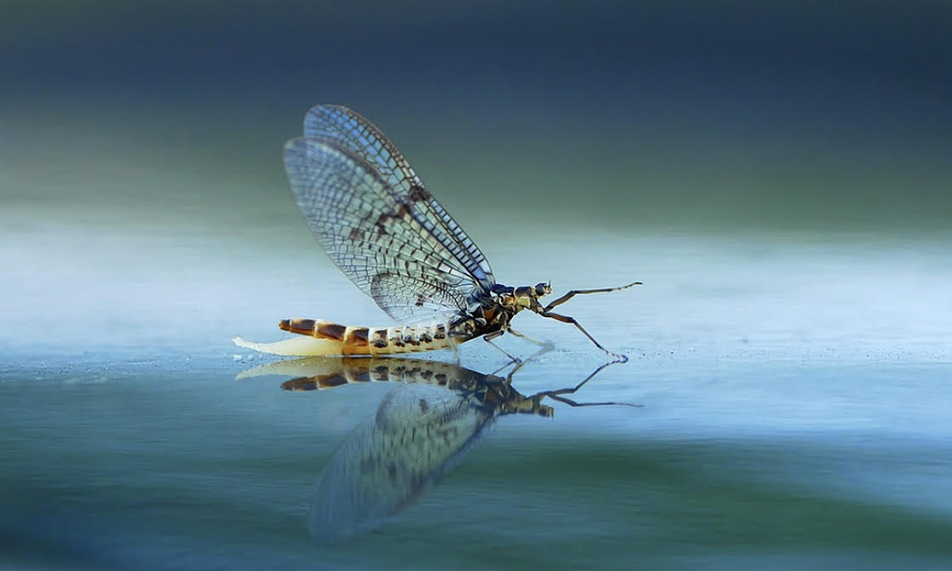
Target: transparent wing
{"type": "Point", "coordinates": [377, 222]}
{"type": "Point", "coordinates": [390, 291]}
{"type": "Point", "coordinates": [351, 130]}
{"type": "Point", "coordinates": [386, 464]}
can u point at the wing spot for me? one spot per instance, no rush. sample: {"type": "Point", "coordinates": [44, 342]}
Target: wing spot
{"type": "Point", "coordinates": [419, 194]}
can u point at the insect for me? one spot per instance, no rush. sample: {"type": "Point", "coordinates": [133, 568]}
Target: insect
{"type": "Point", "coordinates": [385, 231]}
{"type": "Point", "coordinates": [434, 416]}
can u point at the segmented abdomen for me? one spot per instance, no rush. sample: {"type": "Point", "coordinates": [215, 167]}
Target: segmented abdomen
{"type": "Point", "coordinates": [347, 340]}
{"type": "Point", "coordinates": [330, 373]}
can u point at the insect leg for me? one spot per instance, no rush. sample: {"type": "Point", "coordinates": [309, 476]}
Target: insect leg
{"type": "Point", "coordinates": [567, 319]}
{"type": "Point", "coordinates": [488, 338]}
{"type": "Point", "coordinates": [571, 402]}
{"type": "Point", "coordinates": [544, 344]}
{"type": "Point", "coordinates": [557, 394]}
{"type": "Point", "coordinates": [576, 292]}
{"type": "Point", "coordinates": [526, 361]}
{"type": "Point", "coordinates": [455, 353]}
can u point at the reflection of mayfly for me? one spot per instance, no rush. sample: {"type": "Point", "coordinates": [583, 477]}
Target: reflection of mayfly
{"type": "Point", "coordinates": [386, 232]}
{"type": "Point", "coordinates": [422, 429]}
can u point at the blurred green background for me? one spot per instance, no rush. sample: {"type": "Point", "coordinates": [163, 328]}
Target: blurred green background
{"type": "Point", "coordinates": [672, 116]}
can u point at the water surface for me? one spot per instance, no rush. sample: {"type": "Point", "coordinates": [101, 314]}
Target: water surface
{"type": "Point", "coordinates": [794, 392]}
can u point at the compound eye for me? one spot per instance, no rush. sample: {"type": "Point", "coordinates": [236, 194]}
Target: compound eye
{"type": "Point", "coordinates": [541, 289]}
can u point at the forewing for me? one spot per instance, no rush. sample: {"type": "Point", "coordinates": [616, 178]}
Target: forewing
{"type": "Point", "coordinates": [385, 464]}
{"type": "Point", "coordinates": [369, 230]}
{"type": "Point", "coordinates": [352, 131]}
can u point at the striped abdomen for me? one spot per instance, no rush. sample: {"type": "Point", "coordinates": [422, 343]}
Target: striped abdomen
{"type": "Point", "coordinates": [343, 340]}
{"type": "Point", "coordinates": [330, 373]}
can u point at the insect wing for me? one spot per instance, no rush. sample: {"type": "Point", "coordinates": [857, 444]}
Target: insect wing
{"type": "Point", "coordinates": [377, 222]}
{"type": "Point", "coordinates": [385, 464]}
{"type": "Point", "coordinates": [352, 130]}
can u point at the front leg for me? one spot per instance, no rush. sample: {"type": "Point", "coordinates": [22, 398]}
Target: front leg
{"type": "Point", "coordinates": [559, 394]}
{"type": "Point", "coordinates": [576, 292]}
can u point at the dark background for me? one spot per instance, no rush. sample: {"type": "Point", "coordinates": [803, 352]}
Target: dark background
{"type": "Point", "coordinates": [770, 116]}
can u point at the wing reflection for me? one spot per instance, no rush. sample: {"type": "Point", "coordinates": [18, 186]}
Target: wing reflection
{"type": "Point", "coordinates": [430, 421]}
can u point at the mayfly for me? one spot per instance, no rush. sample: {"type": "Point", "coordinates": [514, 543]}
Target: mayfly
{"type": "Point", "coordinates": [434, 416]}
{"type": "Point", "coordinates": [371, 213]}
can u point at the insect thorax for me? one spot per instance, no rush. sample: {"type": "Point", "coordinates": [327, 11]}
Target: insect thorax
{"type": "Point", "coordinates": [494, 311]}
{"type": "Point", "coordinates": [515, 299]}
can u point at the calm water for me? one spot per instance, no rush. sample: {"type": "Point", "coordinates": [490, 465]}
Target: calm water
{"type": "Point", "coordinates": [795, 397]}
